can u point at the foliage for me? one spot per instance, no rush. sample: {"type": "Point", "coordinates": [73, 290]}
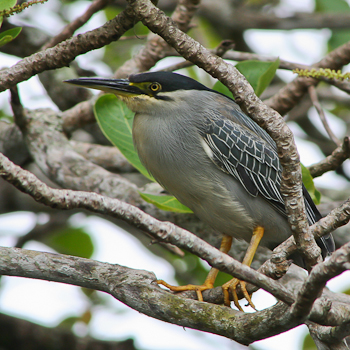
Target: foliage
{"type": "Point", "coordinates": [169, 203]}
{"type": "Point", "coordinates": [339, 36]}
{"type": "Point", "coordinates": [115, 120]}
{"type": "Point", "coordinates": [259, 74]}
{"type": "Point", "coordinates": [71, 241]}
{"type": "Point", "coordinates": [309, 185]}
{"type": "Point", "coordinates": [9, 35]}
{"type": "Point", "coordinates": [322, 72]}
{"type": "Point", "coordinates": [8, 7]}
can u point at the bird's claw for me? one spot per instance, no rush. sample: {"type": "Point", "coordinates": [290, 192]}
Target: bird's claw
{"type": "Point", "coordinates": [197, 288]}
{"type": "Point", "coordinates": [232, 286]}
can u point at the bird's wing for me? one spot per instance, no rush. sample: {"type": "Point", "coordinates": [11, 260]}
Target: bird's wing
{"type": "Point", "coordinates": [238, 151]}
{"type": "Point", "coordinates": [247, 152]}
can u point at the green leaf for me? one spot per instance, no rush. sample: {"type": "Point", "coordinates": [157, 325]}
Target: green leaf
{"type": "Point", "coordinates": [165, 202]}
{"type": "Point", "coordinates": [69, 322]}
{"type": "Point", "coordinates": [9, 35]}
{"type": "Point", "coordinates": [115, 121]}
{"type": "Point", "coordinates": [7, 4]}
{"type": "Point", "coordinates": [338, 38]}
{"type": "Point", "coordinates": [347, 292]}
{"type": "Point", "coordinates": [331, 6]}
{"type": "Point", "coordinates": [309, 344]}
{"type": "Point", "coordinates": [211, 37]}
{"type": "Point", "coordinates": [70, 241]}
{"type": "Point", "coordinates": [189, 269]}
{"type": "Point", "coordinates": [258, 73]}
{"type": "Point", "coordinates": [220, 87]}
{"type": "Point", "coordinates": [309, 184]}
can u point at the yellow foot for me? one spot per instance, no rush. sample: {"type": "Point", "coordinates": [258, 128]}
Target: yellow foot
{"type": "Point", "coordinates": [231, 286]}
{"type": "Point", "coordinates": [198, 289]}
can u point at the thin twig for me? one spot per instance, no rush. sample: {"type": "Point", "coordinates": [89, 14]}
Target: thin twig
{"type": "Point", "coordinates": [333, 161]}
{"type": "Point", "coordinates": [317, 105]}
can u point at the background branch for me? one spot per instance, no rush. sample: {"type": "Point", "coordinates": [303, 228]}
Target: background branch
{"type": "Point", "coordinates": [63, 53]}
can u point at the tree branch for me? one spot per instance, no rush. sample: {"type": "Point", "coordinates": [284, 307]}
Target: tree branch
{"type": "Point", "coordinates": [107, 157]}
{"type": "Point", "coordinates": [333, 161]}
{"type": "Point", "coordinates": [138, 290]}
{"type": "Point", "coordinates": [156, 48]}
{"type": "Point", "coordinates": [329, 338]}
{"type": "Point", "coordinates": [319, 276]}
{"type": "Point", "coordinates": [292, 93]}
{"type": "Point", "coordinates": [64, 53]}
{"type": "Point", "coordinates": [166, 232]}
{"type": "Point", "coordinates": [71, 27]}
{"type": "Point", "coordinates": [336, 218]}
{"type": "Point", "coordinates": [317, 105]}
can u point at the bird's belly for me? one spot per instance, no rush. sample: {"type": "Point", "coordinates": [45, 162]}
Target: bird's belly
{"type": "Point", "coordinates": [215, 197]}
{"type": "Point", "coordinates": [220, 201]}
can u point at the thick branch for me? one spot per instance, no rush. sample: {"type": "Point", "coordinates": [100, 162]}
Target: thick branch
{"type": "Point", "coordinates": [138, 290]}
{"type": "Point", "coordinates": [56, 158]}
{"type": "Point", "coordinates": [108, 157]}
{"type": "Point", "coordinates": [329, 338]}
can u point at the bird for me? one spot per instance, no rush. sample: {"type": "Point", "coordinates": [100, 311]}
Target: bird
{"type": "Point", "coordinates": [200, 147]}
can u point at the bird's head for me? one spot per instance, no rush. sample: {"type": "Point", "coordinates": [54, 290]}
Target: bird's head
{"type": "Point", "coordinates": [146, 90]}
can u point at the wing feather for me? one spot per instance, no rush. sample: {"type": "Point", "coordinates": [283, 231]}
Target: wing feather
{"type": "Point", "coordinates": [241, 148]}
{"type": "Point", "coordinates": [248, 158]}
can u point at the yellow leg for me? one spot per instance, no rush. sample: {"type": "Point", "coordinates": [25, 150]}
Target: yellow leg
{"type": "Point", "coordinates": [231, 285]}
{"type": "Point", "coordinates": [209, 281]}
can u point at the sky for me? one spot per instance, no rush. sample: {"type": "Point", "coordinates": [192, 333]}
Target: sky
{"type": "Point", "coordinates": [49, 303]}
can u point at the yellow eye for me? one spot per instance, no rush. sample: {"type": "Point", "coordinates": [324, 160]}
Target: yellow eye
{"type": "Point", "coordinates": [155, 87]}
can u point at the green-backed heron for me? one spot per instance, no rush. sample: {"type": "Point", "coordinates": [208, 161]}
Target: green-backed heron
{"type": "Point", "coordinates": [200, 146]}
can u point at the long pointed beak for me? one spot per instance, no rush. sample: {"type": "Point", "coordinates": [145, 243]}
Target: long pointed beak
{"type": "Point", "coordinates": [116, 86]}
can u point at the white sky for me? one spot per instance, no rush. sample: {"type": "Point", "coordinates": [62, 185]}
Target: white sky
{"type": "Point", "coordinates": [49, 303]}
